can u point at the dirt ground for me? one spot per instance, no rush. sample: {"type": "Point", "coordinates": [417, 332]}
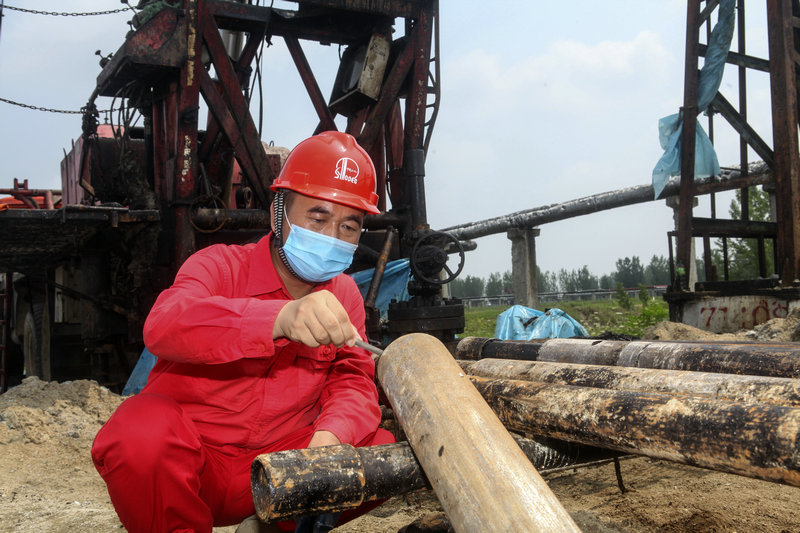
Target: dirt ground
{"type": "Point", "coordinates": [48, 483]}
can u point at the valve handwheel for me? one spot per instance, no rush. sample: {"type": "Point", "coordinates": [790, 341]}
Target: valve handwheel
{"type": "Point", "coordinates": [430, 254]}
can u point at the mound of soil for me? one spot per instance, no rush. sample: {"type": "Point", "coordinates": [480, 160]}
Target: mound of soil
{"type": "Point", "coordinates": [776, 330]}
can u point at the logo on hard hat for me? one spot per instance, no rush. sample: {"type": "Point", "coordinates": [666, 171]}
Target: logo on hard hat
{"type": "Point", "coordinates": [347, 170]}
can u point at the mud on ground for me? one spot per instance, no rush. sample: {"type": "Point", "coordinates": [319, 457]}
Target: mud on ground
{"type": "Point", "coordinates": [48, 482]}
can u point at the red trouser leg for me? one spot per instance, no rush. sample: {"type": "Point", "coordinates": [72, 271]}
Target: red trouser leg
{"type": "Point", "coordinates": [239, 497]}
{"type": "Point", "coordinates": [151, 458]}
{"type": "Point", "coordinates": [162, 477]}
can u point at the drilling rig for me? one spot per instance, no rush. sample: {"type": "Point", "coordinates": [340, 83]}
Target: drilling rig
{"type": "Point", "coordinates": [142, 193]}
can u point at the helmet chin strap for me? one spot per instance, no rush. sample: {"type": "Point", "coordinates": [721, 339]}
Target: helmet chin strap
{"type": "Point", "coordinates": [277, 224]}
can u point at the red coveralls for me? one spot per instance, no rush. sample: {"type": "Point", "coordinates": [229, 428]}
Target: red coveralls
{"type": "Point", "coordinates": [177, 456]}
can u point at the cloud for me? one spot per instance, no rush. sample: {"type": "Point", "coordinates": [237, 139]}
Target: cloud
{"type": "Point", "coordinates": [569, 77]}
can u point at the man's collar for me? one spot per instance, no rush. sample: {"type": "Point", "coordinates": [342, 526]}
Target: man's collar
{"type": "Point", "coordinates": [264, 277]}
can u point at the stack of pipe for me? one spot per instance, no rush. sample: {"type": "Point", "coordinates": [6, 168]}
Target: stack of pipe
{"type": "Point", "coordinates": [732, 407]}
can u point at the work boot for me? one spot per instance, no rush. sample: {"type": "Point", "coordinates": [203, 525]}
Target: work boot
{"type": "Point", "coordinates": [252, 524]}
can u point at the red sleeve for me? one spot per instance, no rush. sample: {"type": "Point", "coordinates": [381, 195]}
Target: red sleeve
{"type": "Point", "coordinates": [350, 399]}
{"type": "Point", "coordinates": [199, 319]}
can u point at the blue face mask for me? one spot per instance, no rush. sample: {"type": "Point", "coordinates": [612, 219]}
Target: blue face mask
{"type": "Point", "coordinates": [316, 257]}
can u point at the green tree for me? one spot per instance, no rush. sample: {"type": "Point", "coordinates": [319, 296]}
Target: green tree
{"type": "Point", "coordinates": [657, 271]}
{"type": "Point", "coordinates": [629, 271]}
{"type": "Point", "coordinates": [622, 297]}
{"type": "Point", "coordinates": [644, 296]}
{"type": "Point", "coordinates": [546, 281]}
{"type": "Point", "coordinates": [577, 280]}
{"type": "Point", "coordinates": [585, 279]}
{"type": "Point", "coordinates": [743, 253]}
{"type": "Point", "coordinates": [467, 287]}
{"type": "Point", "coordinates": [566, 281]}
{"type": "Point", "coordinates": [607, 281]}
{"type": "Point", "coordinates": [508, 282]}
{"type": "Point", "coordinates": [494, 285]}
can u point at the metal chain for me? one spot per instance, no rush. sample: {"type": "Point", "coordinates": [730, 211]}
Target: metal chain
{"type": "Point", "coordinates": [49, 110]}
{"type": "Point", "coordinates": [63, 14]}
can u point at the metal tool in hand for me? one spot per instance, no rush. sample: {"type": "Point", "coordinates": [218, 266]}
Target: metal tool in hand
{"type": "Point", "coordinates": [377, 352]}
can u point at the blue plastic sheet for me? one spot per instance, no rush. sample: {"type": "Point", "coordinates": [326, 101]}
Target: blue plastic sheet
{"type": "Point", "coordinates": [138, 377]}
{"type": "Point", "coordinates": [393, 286]}
{"type": "Point", "coordinates": [670, 128]}
{"type": "Point", "coordinates": [522, 323]}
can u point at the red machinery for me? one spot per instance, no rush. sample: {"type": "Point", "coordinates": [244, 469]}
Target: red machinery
{"type": "Point", "coordinates": [139, 200]}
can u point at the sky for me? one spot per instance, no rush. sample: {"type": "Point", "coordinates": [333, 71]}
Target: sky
{"type": "Point", "coordinates": [541, 103]}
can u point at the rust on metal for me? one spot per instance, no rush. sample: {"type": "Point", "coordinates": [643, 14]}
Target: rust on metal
{"type": "Point", "coordinates": [758, 174]}
{"type": "Point", "coordinates": [335, 478]}
{"type": "Point", "coordinates": [756, 359]}
{"type": "Point", "coordinates": [783, 86]}
{"type": "Point", "coordinates": [480, 475]}
{"type": "Point", "coordinates": [753, 440]}
{"type": "Point", "coordinates": [729, 387]}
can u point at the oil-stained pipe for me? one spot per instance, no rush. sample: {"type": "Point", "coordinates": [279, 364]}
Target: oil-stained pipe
{"type": "Point", "coordinates": [328, 479]}
{"type": "Point", "coordinates": [755, 359]}
{"type": "Point", "coordinates": [729, 387]}
{"type": "Point", "coordinates": [380, 268]}
{"type": "Point", "coordinates": [481, 477]}
{"type": "Point", "coordinates": [753, 440]}
{"type": "Point", "coordinates": [759, 174]}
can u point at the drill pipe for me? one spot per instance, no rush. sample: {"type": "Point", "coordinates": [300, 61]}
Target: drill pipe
{"type": "Point", "coordinates": [478, 472]}
{"type": "Point", "coordinates": [755, 359]}
{"type": "Point", "coordinates": [313, 481]}
{"type": "Point", "coordinates": [753, 440]}
{"type": "Point", "coordinates": [730, 387]}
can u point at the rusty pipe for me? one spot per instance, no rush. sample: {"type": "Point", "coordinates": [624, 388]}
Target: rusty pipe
{"type": "Point", "coordinates": [478, 472]}
{"type": "Point", "coordinates": [756, 359]}
{"type": "Point", "coordinates": [754, 440]}
{"type": "Point", "coordinates": [380, 268]}
{"type": "Point", "coordinates": [711, 386]}
{"type": "Point", "coordinates": [335, 478]}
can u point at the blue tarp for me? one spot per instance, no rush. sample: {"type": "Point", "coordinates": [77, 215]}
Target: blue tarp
{"type": "Point", "coordinates": [520, 323]}
{"type": "Point", "coordinates": [393, 286]}
{"type": "Point", "coordinates": [138, 378]}
{"type": "Point", "coordinates": [671, 127]}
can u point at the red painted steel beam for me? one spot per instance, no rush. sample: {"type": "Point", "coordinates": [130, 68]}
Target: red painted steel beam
{"type": "Point", "coordinates": [310, 82]}
{"type": "Point", "coordinates": [418, 84]}
{"type": "Point", "coordinates": [227, 123]}
{"type": "Point", "coordinates": [394, 153]}
{"type": "Point", "coordinates": [243, 73]}
{"type": "Point", "coordinates": [185, 158]}
{"type": "Point", "coordinates": [783, 86]}
{"type": "Point", "coordinates": [260, 175]}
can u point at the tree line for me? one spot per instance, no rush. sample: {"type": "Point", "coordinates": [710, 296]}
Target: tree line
{"type": "Point", "coordinates": [630, 272]}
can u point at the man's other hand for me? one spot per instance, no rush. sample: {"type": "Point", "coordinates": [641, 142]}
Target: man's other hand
{"type": "Point", "coordinates": [323, 438]}
{"type": "Point", "coordinates": [315, 320]}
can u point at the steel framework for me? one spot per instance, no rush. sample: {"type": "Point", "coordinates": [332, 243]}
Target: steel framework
{"type": "Point", "coordinates": [782, 158]}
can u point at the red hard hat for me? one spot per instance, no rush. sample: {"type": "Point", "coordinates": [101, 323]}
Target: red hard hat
{"type": "Point", "coordinates": [331, 166]}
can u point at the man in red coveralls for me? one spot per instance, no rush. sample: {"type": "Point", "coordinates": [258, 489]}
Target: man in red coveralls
{"type": "Point", "coordinates": [255, 354]}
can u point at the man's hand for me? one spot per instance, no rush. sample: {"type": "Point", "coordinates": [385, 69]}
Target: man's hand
{"type": "Point", "coordinates": [314, 320]}
{"type": "Point", "coordinates": [323, 438]}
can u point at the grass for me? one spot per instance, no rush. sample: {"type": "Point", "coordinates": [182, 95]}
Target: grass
{"type": "Point", "coordinates": [597, 316]}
